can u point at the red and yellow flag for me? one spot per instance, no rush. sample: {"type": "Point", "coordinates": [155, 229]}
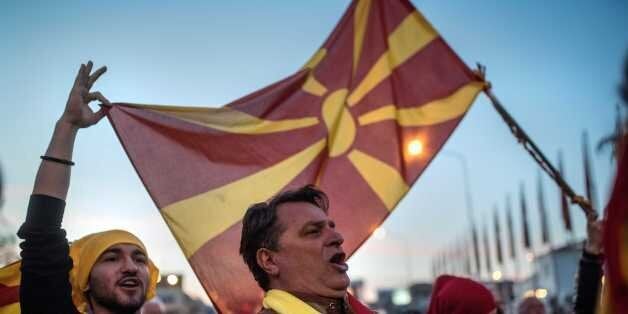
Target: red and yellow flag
{"type": "Point", "coordinates": [615, 296]}
{"type": "Point", "coordinates": [362, 119]}
{"type": "Point", "coordinates": [10, 289]}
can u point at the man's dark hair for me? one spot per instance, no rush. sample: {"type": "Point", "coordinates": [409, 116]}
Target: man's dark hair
{"type": "Point", "coordinates": [261, 229]}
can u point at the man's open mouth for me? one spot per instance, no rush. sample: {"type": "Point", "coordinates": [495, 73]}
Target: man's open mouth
{"type": "Point", "coordinates": [129, 283]}
{"type": "Point", "coordinates": [338, 262]}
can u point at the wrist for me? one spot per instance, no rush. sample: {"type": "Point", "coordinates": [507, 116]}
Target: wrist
{"type": "Point", "coordinates": [65, 128]}
{"type": "Point", "coordinates": [62, 141]}
{"type": "Point", "coordinates": [592, 248]}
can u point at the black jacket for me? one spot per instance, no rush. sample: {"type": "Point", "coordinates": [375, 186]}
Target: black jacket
{"type": "Point", "coordinates": [588, 283]}
{"type": "Point", "coordinates": [45, 286]}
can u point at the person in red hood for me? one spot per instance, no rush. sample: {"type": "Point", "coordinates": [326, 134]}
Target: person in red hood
{"type": "Point", "coordinates": [531, 305]}
{"type": "Point", "coordinates": [455, 295]}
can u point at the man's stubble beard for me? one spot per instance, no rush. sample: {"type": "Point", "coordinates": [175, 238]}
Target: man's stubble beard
{"type": "Point", "coordinates": [110, 301]}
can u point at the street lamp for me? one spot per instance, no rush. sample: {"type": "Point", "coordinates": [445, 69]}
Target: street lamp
{"type": "Point", "coordinates": [468, 200]}
{"type": "Point", "coordinates": [465, 178]}
{"type": "Point", "coordinates": [172, 279]}
{"type": "Point", "coordinates": [415, 147]}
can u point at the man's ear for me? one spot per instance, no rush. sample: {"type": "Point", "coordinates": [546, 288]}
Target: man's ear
{"type": "Point", "coordinates": [266, 260]}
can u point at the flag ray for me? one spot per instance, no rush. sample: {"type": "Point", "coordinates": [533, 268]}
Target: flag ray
{"type": "Point", "coordinates": [385, 180]}
{"type": "Point", "coordinates": [432, 73]}
{"type": "Point", "coordinates": [219, 261]}
{"type": "Point", "coordinates": [315, 59]}
{"type": "Point", "coordinates": [198, 219]}
{"type": "Point", "coordinates": [334, 71]}
{"type": "Point", "coordinates": [434, 112]}
{"type": "Point", "coordinates": [409, 37]}
{"type": "Point", "coordinates": [232, 121]}
{"type": "Point", "coordinates": [360, 23]}
{"type": "Point", "coordinates": [346, 189]}
{"type": "Point", "coordinates": [373, 41]}
{"type": "Point", "coordinates": [181, 159]}
{"type": "Point", "coordinates": [314, 87]}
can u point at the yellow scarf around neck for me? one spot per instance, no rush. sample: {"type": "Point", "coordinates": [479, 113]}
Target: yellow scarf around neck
{"type": "Point", "coordinates": [283, 302]}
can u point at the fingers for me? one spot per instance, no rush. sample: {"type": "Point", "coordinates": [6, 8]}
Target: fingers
{"type": "Point", "coordinates": [77, 79]}
{"type": "Point", "coordinates": [97, 96]}
{"type": "Point", "coordinates": [83, 75]}
{"type": "Point", "coordinates": [92, 78]}
{"type": "Point", "coordinates": [88, 67]}
{"type": "Point", "coordinates": [97, 116]}
{"type": "Point", "coordinates": [84, 78]}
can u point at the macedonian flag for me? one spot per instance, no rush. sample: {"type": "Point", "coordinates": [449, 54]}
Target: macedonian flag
{"type": "Point", "coordinates": [10, 289]}
{"type": "Point", "coordinates": [361, 119]}
{"type": "Point", "coordinates": [615, 295]}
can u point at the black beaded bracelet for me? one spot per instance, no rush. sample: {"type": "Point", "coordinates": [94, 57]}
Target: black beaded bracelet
{"type": "Point", "coordinates": [58, 160]}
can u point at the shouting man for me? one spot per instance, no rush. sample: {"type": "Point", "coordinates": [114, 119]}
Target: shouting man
{"type": "Point", "coordinates": [295, 254]}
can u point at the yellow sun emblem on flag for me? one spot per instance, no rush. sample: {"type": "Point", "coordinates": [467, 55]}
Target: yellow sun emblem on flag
{"type": "Point", "coordinates": [197, 219]}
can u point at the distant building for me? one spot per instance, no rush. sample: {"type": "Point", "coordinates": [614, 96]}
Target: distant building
{"type": "Point", "coordinates": [357, 289]}
{"type": "Point", "coordinates": [414, 299]}
{"type": "Point", "coordinates": [170, 292]}
{"type": "Point", "coordinates": [554, 276]}
{"type": "Point", "coordinates": [384, 301]}
{"type": "Point", "coordinates": [420, 294]}
{"type": "Point", "coordinates": [504, 293]}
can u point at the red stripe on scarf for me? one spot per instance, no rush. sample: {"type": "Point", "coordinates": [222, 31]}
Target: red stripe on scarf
{"type": "Point", "coordinates": [357, 306]}
{"type": "Point", "coordinates": [9, 295]}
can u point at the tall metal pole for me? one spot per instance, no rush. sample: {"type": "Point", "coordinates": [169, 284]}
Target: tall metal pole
{"type": "Point", "coordinates": [465, 179]}
{"type": "Point", "coordinates": [534, 151]}
{"type": "Point", "coordinates": [468, 201]}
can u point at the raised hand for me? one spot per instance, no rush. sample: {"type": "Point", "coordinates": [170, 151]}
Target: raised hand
{"type": "Point", "coordinates": [594, 243]}
{"type": "Point", "coordinates": [77, 112]}
{"type": "Point", "coordinates": [53, 177]}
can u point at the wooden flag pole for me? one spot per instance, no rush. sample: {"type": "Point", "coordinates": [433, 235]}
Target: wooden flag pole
{"type": "Point", "coordinates": [535, 152]}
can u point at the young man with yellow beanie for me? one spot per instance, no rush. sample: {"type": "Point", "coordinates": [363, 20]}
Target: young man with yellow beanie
{"type": "Point", "coordinates": [106, 272]}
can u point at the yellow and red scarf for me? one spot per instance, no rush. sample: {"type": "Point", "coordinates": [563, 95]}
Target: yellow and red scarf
{"type": "Point", "coordinates": [84, 253]}
{"type": "Point", "coordinates": [283, 302]}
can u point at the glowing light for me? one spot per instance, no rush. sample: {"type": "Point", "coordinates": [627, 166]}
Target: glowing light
{"type": "Point", "coordinates": [379, 233]}
{"type": "Point", "coordinates": [401, 297]}
{"type": "Point", "coordinates": [415, 147]}
{"type": "Point", "coordinates": [540, 293]}
{"type": "Point", "coordinates": [497, 275]}
{"type": "Point", "coordinates": [529, 256]}
{"type": "Point", "coordinates": [172, 280]}
{"type": "Point", "coordinates": [528, 294]}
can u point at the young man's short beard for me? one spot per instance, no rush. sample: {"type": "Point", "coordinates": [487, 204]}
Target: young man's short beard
{"type": "Point", "coordinates": [110, 302]}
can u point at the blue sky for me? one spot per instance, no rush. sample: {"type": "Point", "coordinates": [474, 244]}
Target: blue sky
{"type": "Point", "coordinates": [554, 64]}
